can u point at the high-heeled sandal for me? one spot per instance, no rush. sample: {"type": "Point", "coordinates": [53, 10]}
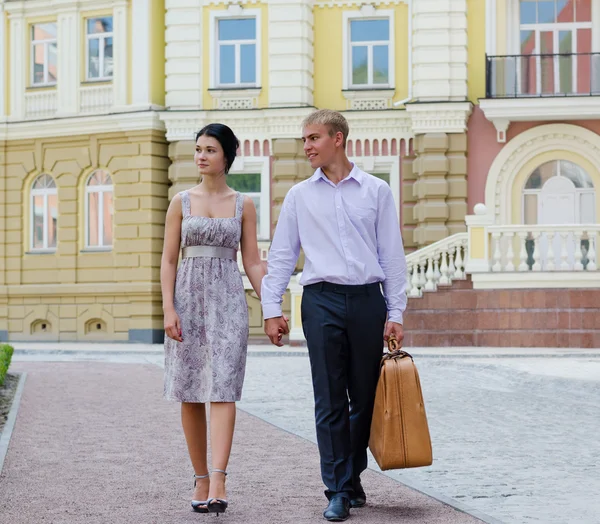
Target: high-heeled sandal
{"type": "Point", "coordinates": [216, 505]}
{"type": "Point", "coordinates": [200, 506]}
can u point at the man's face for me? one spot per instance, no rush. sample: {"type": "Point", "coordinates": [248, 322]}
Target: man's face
{"type": "Point", "coordinates": [319, 146]}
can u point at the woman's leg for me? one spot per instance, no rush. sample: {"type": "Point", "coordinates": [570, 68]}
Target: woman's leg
{"type": "Point", "coordinates": [222, 423]}
{"type": "Point", "coordinates": [193, 419]}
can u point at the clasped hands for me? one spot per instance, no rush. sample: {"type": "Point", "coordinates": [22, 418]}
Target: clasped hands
{"type": "Point", "coordinates": [276, 327]}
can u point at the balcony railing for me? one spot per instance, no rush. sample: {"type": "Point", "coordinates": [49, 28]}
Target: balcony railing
{"type": "Point", "coordinates": [543, 75]}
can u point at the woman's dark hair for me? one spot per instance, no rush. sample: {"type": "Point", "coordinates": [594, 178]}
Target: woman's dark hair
{"type": "Point", "coordinates": [226, 138]}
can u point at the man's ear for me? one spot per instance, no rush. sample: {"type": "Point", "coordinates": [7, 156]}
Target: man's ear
{"type": "Point", "coordinates": [339, 139]}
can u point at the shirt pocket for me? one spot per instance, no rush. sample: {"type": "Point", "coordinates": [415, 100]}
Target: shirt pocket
{"type": "Point", "coordinates": [363, 214]}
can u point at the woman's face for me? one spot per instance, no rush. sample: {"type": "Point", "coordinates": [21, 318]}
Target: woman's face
{"type": "Point", "coordinates": [209, 156]}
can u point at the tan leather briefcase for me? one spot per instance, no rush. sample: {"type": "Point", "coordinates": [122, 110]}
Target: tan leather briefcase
{"type": "Point", "coordinates": [399, 431]}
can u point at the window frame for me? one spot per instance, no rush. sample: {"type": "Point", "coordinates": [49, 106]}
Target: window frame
{"type": "Point", "coordinates": [377, 14]}
{"type": "Point", "coordinates": [258, 164]}
{"type": "Point", "coordinates": [214, 48]}
{"type": "Point", "coordinates": [45, 192]}
{"type": "Point", "coordinates": [101, 37]}
{"type": "Point", "coordinates": [46, 43]}
{"type": "Point", "coordinates": [100, 189]}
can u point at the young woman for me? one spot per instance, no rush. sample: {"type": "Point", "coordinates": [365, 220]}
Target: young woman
{"type": "Point", "coordinates": [206, 316]}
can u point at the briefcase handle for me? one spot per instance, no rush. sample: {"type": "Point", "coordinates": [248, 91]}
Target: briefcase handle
{"type": "Point", "coordinates": [394, 350]}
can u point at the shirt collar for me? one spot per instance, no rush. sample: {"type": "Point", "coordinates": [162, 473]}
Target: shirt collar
{"type": "Point", "coordinates": [356, 173]}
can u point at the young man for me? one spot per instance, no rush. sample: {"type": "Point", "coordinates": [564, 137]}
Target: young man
{"type": "Point", "coordinates": [345, 220]}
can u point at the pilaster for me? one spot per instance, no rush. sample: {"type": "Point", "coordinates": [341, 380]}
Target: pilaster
{"type": "Point", "coordinates": [183, 172]}
{"type": "Point", "coordinates": [184, 59]}
{"type": "Point", "coordinates": [120, 58]}
{"type": "Point", "coordinates": [440, 50]}
{"type": "Point", "coordinates": [141, 48]}
{"type": "Point", "coordinates": [409, 200]}
{"type": "Point", "coordinates": [69, 59]}
{"type": "Point", "coordinates": [457, 183]}
{"type": "Point", "coordinates": [291, 53]}
{"type": "Point", "coordinates": [3, 64]}
{"type": "Point", "coordinates": [17, 66]}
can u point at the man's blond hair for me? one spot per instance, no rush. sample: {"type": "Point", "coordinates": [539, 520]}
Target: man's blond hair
{"type": "Point", "coordinates": [332, 119]}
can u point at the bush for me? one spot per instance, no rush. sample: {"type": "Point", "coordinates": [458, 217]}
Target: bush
{"type": "Point", "coordinates": [6, 353]}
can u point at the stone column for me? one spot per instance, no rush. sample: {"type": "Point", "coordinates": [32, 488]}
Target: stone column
{"type": "Point", "coordinates": [289, 167]}
{"type": "Point", "coordinates": [440, 50]}
{"type": "Point", "coordinates": [409, 201]}
{"type": "Point", "coordinates": [431, 188]}
{"type": "Point", "coordinates": [457, 183]}
{"type": "Point", "coordinates": [291, 53]}
{"type": "Point", "coordinates": [3, 70]}
{"type": "Point", "coordinates": [183, 173]}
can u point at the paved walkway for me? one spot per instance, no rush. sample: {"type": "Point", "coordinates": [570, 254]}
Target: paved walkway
{"type": "Point", "coordinates": [95, 443]}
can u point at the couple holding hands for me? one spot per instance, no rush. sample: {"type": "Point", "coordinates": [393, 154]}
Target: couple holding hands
{"type": "Point", "coordinates": [345, 221]}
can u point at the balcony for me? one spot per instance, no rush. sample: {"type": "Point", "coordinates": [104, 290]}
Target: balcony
{"type": "Point", "coordinates": [526, 76]}
{"type": "Point", "coordinates": [541, 87]}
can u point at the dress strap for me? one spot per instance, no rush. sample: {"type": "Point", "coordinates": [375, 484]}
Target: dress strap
{"type": "Point", "coordinates": [239, 205]}
{"type": "Point", "coordinates": [185, 203]}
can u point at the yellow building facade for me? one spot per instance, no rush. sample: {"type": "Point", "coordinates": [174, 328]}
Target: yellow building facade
{"type": "Point", "coordinates": [100, 103]}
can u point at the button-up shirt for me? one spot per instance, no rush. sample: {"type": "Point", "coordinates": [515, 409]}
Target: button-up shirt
{"type": "Point", "coordinates": [349, 233]}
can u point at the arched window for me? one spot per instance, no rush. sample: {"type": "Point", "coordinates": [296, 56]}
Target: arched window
{"type": "Point", "coordinates": [559, 192]}
{"type": "Point", "coordinates": [44, 213]}
{"type": "Point", "coordinates": [99, 210]}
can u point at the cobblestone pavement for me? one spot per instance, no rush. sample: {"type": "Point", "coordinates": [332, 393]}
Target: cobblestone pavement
{"type": "Point", "coordinates": [514, 438]}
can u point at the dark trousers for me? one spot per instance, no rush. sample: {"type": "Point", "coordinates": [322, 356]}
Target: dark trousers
{"type": "Point", "coordinates": [343, 326]}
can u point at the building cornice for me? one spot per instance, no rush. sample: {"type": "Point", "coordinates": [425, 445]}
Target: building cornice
{"type": "Point", "coordinates": [439, 117]}
{"type": "Point", "coordinates": [83, 125]}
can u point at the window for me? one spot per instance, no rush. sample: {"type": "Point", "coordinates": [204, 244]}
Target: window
{"type": "Point", "coordinates": [99, 210]}
{"type": "Point", "coordinates": [237, 52]}
{"type": "Point", "coordinates": [583, 204]}
{"type": "Point", "coordinates": [43, 54]}
{"type": "Point", "coordinates": [370, 55]}
{"type": "Point", "coordinates": [555, 47]}
{"type": "Point", "coordinates": [44, 213]}
{"type": "Point", "coordinates": [251, 175]}
{"type": "Point", "coordinates": [99, 48]}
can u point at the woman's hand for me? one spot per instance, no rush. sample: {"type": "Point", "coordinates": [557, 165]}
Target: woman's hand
{"type": "Point", "coordinates": [173, 325]}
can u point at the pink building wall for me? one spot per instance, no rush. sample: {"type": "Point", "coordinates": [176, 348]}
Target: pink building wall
{"type": "Point", "coordinates": [483, 147]}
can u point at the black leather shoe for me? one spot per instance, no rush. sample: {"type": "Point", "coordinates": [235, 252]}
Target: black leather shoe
{"type": "Point", "coordinates": [338, 509]}
{"type": "Point", "coordinates": [358, 499]}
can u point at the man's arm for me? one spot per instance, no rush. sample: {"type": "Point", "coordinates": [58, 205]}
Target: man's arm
{"type": "Point", "coordinates": [282, 259]}
{"type": "Point", "coordinates": [391, 257]}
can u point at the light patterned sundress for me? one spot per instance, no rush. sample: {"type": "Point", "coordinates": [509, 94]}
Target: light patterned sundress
{"type": "Point", "coordinates": [209, 365]}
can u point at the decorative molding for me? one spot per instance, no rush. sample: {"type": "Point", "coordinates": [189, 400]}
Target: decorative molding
{"type": "Point", "coordinates": [96, 98]}
{"type": "Point", "coordinates": [40, 8]}
{"type": "Point", "coordinates": [443, 117]}
{"type": "Point", "coordinates": [235, 98]}
{"type": "Point", "coordinates": [522, 149]}
{"type": "Point", "coordinates": [368, 99]}
{"type": "Point", "coordinates": [502, 111]}
{"type": "Point", "coordinates": [88, 125]}
{"type": "Point", "coordinates": [360, 3]}
{"type": "Point", "coordinates": [268, 124]}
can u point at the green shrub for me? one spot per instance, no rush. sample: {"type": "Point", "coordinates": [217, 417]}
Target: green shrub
{"type": "Point", "coordinates": [6, 353]}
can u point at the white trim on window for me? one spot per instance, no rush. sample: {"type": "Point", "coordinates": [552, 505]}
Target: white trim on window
{"type": "Point", "coordinates": [262, 165]}
{"type": "Point", "coordinates": [46, 43]}
{"type": "Point", "coordinates": [383, 164]}
{"type": "Point", "coordinates": [101, 190]}
{"type": "Point", "coordinates": [347, 17]}
{"type": "Point", "coordinates": [215, 16]}
{"type": "Point", "coordinates": [101, 37]}
{"type": "Point", "coordinates": [45, 192]}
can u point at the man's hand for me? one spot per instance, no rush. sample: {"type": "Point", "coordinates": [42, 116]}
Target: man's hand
{"type": "Point", "coordinates": [393, 328]}
{"type": "Point", "coordinates": [275, 328]}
